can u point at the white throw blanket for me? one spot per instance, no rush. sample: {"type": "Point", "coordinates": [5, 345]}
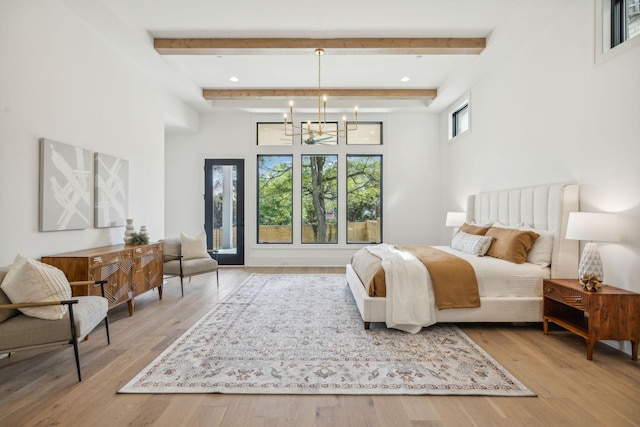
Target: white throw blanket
{"type": "Point", "coordinates": [409, 300]}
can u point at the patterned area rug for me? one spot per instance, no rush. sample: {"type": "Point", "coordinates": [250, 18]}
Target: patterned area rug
{"type": "Point", "coordinates": [303, 334]}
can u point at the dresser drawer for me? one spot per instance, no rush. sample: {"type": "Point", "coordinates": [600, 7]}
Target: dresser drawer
{"type": "Point", "coordinates": [567, 296]}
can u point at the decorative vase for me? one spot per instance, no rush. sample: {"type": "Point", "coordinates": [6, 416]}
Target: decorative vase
{"type": "Point", "coordinates": [128, 231]}
{"type": "Point", "coordinates": [143, 230]}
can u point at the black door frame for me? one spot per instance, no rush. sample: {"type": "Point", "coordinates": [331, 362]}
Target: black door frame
{"type": "Point", "coordinates": [225, 258]}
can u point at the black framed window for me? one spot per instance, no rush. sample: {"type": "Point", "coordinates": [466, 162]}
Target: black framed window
{"type": "Point", "coordinates": [275, 198]}
{"type": "Point", "coordinates": [364, 198]}
{"type": "Point", "coordinates": [314, 137]}
{"type": "Point", "coordinates": [460, 120]}
{"type": "Point", "coordinates": [367, 133]}
{"type": "Point", "coordinates": [272, 133]}
{"type": "Point", "coordinates": [625, 20]}
{"type": "Point", "coordinates": [319, 198]}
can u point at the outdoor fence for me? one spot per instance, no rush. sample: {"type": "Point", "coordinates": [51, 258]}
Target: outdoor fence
{"type": "Point", "coordinates": [358, 232]}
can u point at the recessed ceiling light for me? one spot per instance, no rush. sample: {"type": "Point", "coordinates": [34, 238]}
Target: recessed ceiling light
{"type": "Point", "coordinates": [234, 79]}
{"type": "Point", "coordinates": [405, 79]}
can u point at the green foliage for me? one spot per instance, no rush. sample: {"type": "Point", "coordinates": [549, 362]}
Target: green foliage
{"type": "Point", "coordinates": [364, 201]}
{"type": "Point", "coordinates": [139, 238]}
{"type": "Point", "coordinates": [320, 194]}
{"type": "Point", "coordinates": [275, 190]}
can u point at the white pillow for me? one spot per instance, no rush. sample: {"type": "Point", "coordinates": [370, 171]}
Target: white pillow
{"type": "Point", "coordinates": [541, 251]}
{"type": "Point", "coordinates": [471, 243]}
{"type": "Point", "coordinates": [31, 281]}
{"type": "Point", "coordinates": [194, 247]}
{"type": "Point", "coordinates": [511, 227]}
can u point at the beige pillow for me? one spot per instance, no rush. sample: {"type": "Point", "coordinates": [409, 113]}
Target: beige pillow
{"type": "Point", "coordinates": [6, 314]}
{"type": "Point", "coordinates": [510, 245]}
{"type": "Point", "coordinates": [474, 229]}
{"type": "Point", "coordinates": [171, 246]}
{"type": "Point", "coordinates": [194, 247]}
{"type": "Point", "coordinates": [31, 281]}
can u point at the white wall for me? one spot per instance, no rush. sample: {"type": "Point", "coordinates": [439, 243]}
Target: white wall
{"type": "Point", "coordinates": [410, 172]}
{"type": "Point", "coordinates": [62, 81]}
{"type": "Point", "coordinates": [549, 114]}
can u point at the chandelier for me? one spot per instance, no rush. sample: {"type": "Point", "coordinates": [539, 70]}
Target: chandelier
{"type": "Point", "coordinates": [316, 133]}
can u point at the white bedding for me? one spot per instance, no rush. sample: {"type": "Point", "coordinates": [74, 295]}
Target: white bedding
{"type": "Point", "coordinates": [404, 310]}
{"type": "Point", "coordinates": [498, 278]}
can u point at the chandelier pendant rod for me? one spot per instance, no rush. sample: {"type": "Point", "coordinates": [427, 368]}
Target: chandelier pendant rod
{"type": "Point", "coordinates": [322, 113]}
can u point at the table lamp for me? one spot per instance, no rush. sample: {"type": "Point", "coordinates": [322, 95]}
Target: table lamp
{"type": "Point", "coordinates": [455, 219]}
{"type": "Point", "coordinates": [593, 227]}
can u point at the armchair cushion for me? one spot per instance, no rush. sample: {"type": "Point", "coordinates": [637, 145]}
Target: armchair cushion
{"type": "Point", "coordinates": [31, 281]}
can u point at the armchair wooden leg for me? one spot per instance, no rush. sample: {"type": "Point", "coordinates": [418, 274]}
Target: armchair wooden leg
{"type": "Point", "coordinates": [181, 286]}
{"type": "Point", "coordinates": [217, 279]}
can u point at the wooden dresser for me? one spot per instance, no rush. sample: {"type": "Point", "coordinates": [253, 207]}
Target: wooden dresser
{"type": "Point", "coordinates": [129, 269]}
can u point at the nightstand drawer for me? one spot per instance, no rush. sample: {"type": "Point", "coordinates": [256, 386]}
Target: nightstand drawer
{"type": "Point", "coordinates": [567, 296]}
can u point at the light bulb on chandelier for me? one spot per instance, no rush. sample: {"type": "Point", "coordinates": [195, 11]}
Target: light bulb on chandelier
{"type": "Point", "coordinates": [291, 129]}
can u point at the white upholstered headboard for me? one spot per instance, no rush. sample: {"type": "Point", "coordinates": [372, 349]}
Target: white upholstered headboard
{"type": "Point", "coordinates": [544, 207]}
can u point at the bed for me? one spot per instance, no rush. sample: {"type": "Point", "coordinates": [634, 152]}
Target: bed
{"type": "Point", "coordinates": [508, 292]}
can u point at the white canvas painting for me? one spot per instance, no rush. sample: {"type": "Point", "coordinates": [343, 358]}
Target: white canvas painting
{"type": "Point", "coordinates": [66, 180]}
{"type": "Point", "coordinates": [112, 190]}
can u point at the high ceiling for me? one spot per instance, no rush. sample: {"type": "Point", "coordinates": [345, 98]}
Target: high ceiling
{"type": "Point", "coordinates": [132, 26]}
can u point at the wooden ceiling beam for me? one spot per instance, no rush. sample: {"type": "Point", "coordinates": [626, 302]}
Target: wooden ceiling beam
{"type": "Point", "coordinates": [339, 46]}
{"type": "Point", "coordinates": [312, 93]}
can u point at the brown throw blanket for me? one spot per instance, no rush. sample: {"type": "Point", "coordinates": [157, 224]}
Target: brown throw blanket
{"type": "Point", "coordinates": [454, 280]}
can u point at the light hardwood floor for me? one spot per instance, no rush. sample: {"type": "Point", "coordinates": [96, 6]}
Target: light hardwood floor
{"type": "Point", "coordinates": [40, 387]}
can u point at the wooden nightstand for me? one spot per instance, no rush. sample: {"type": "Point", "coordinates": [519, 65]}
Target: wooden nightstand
{"type": "Point", "coordinates": [611, 313]}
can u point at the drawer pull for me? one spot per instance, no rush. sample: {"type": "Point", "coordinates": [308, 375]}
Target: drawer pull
{"type": "Point", "coordinates": [579, 300]}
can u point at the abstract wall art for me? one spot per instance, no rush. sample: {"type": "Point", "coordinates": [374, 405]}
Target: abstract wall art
{"type": "Point", "coordinates": [66, 180]}
{"type": "Point", "coordinates": [112, 190]}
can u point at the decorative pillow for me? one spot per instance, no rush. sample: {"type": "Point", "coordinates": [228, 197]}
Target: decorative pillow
{"type": "Point", "coordinates": [511, 245]}
{"type": "Point", "coordinates": [471, 243]}
{"type": "Point", "coordinates": [4, 299]}
{"type": "Point", "coordinates": [501, 225]}
{"type": "Point", "coordinates": [194, 247]}
{"type": "Point", "coordinates": [6, 314]}
{"type": "Point", "coordinates": [474, 229]}
{"type": "Point", "coordinates": [542, 249]}
{"type": "Point", "coordinates": [31, 281]}
{"type": "Point", "coordinates": [171, 246]}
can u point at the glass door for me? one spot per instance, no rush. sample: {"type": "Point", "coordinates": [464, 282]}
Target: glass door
{"type": "Point", "coordinates": [224, 209]}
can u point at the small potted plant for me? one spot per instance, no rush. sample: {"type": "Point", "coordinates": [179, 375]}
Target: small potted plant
{"type": "Point", "coordinates": [139, 238]}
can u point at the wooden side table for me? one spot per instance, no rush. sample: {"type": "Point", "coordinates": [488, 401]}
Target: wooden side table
{"type": "Point", "coordinates": [611, 313]}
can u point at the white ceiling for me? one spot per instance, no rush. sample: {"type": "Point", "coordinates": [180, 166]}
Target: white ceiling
{"type": "Point", "coordinates": [131, 25]}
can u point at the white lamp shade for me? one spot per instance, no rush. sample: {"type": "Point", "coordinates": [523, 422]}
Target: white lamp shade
{"type": "Point", "coordinates": [455, 219]}
{"type": "Point", "coordinates": [595, 227]}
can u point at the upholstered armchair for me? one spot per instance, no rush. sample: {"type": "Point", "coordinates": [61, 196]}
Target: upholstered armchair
{"type": "Point", "coordinates": [187, 256]}
{"type": "Point", "coordinates": [19, 331]}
